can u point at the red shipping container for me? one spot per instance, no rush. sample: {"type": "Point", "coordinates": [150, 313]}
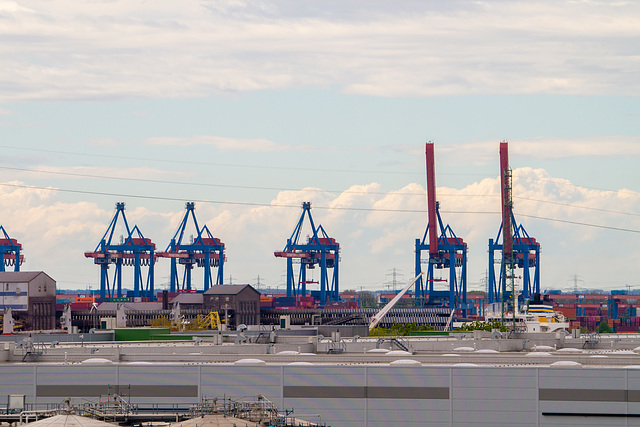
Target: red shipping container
{"type": "Point", "coordinates": [80, 306]}
{"type": "Point", "coordinates": [625, 328]}
{"type": "Point", "coordinates": [568, 312]}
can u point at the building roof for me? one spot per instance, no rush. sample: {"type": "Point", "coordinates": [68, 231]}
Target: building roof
{"type": "Point", "coordinates": [221, 420]}
{"type": "Point", "coordinates": [70, 421]}
{"type": "Point", "coordinates": [190, 298]}
{"type": "Point", "coordinates": [216, 420]}
{"type": "Point", "coordinates": [20, 276]}
{"type": "Point", "coordinates": [228, 289]}
{"type": "Point", "coordinates": [135, 306]}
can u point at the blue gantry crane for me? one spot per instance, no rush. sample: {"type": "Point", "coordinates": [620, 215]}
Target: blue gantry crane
{"type": "Point", "coordinates": [10, 251]}
{"type": "Point", "coordinates": [446, 250]}
{"type": "Point", "coordinates": [519, 250]}
{"type": "Point", "coordinates": [203, 250]}
{"type": "Point", "coordinates": [320, 250]}
{"type": "Point", "coordinates": [132, 250]}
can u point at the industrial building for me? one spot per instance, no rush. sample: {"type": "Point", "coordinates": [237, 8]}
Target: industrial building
{"type": "Point", "coordinates": [441, 381]}
{"type": "Point", "coordinates": [31, 297]}
{"type": "Point", "coordinates": [240, 304]}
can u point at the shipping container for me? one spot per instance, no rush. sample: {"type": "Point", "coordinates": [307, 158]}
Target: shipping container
{"type": "Point", "coordinates": [80, 306]}
{"type": "Point", "coordinates": [568, 312]}
{"type": "Point", "coordinates": [626, 329]}
{"type": "Point", "coordinates": [285, 301]}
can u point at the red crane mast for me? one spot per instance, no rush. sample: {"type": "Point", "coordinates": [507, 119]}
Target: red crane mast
{"type": "Point", "coordinates": [431, 199]}
{"type": "Point", "coordinates": [507, 204]}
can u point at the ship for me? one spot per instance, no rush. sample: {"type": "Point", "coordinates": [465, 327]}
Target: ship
{"type": "Point", "coordinates": [531, 318]}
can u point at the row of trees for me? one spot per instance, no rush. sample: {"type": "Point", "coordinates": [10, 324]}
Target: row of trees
{"type": "Point", "coordinates": [404, 329]}
{"type": "Point", "coordinates": [399, 329]}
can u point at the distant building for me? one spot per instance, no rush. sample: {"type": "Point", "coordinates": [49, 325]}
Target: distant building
{"type": "Point", "coordinates": [31, 295]}
{"type": "Point", "coordinates": [240, 302]}
{"type": "Point", "coordinates": [188, 301]}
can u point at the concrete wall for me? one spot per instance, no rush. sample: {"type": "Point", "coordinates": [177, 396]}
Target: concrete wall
{"type": "Point", "coordinates": [99, 336]}
{"type": "Point", "coordinates": [42, 286]}
{"type": "Point", "coordinates": [358, 395]}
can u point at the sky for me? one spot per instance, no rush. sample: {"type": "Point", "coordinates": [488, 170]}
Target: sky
{"type": "Point", "coordinates": [249, 108]}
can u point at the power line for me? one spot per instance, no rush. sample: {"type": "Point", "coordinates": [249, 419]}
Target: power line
{"type": "Point", "coordinates": [566, 184]}
{"type": "Point", "coordinates": [566, 221]}
{"type": "Point", "coordinates": [203, 184]}
{"type": "Point", "coordinates": [221, 202]}
{"type": "Point", "coordinates": [252, 187]}
{"type": "Point", "coordinates": [306, 168]}
{"type": "Point", "coordinates": [577, 206]}
{"type": "Point", "coordinates": [192, 162]}
{"type": "Point", "coordinates": [338, 208]}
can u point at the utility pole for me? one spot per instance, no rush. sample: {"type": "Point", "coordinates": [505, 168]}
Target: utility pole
{"type": "Point", "coordinates": [575, 281]}
{"type": "Point", "coordinates": [395, 274]}
{"type": "Point", "coordinates": [258, 283]}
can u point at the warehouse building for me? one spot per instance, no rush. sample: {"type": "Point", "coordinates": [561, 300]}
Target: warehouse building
{"type": "Point", "coordinates": [31, 296]}
{"type": "Point", "coordinates": [356, 395]}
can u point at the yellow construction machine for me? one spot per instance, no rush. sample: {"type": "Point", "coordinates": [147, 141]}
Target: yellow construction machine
{"type": "Point", "coordinates": [205, 321]}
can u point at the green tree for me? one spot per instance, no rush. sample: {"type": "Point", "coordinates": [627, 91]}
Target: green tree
{"type": "Point", "coordinates": [367, 299]}
{"type": "Point", "coordinates": [604, 328]}
{"type": "Point", "coordinates": [483, 326]}
{"type": "Point", "coordinates": [399, 329]}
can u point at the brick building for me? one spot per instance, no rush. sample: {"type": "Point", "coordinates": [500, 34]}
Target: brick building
{"type": "Point", "coordinates": [241, 303]}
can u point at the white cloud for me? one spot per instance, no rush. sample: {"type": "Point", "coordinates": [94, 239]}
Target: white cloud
{"type": "Point", "coordinates": [227, 144]}
{"type": "Point", "coordinates": [103, 50]}
{"type": "Point", "coordinates": [12, 7]}
{"type": "Point", "coordinates": [56, 233]}
{"type": "Point", "coordinates": [548, 147]}
{"type": "Point", "coordinates": [255, 145]}
{"type": "Point", "coordinates": [111, 174]}
{"type": "Point", "coordinates": [592, 146]}
{"type": "Point", "coordinates": [18, 193]}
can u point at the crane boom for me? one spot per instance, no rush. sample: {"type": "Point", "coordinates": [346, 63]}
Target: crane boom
{"type": "Point", "coordinates": [505, 187]}
{"type": "Point", "coordinates": [431, 199]}
{"type": "Point", "coordinates": [375, 320]}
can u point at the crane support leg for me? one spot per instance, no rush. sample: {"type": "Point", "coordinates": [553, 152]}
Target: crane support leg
{"type": "Point", "coordinates": [207, 270]}
{"type": "Point", "coordinates": [289, 277]}
{"type": "Point", "coordinates": [323, 277]}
